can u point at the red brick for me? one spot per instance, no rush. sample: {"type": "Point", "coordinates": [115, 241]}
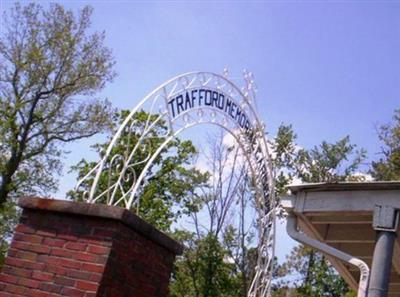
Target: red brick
{"type": "Point", "coordinates": [99, 250]}
{"type": "Point", "coordinates": [8, 278]}
{"type": "Point", "coordinates": [61, 253]}
{"type": "Point", "coordinates": [94, 277]}
{"type": "Point", "coordinates": [28, 238]}
{"type": "Point", "coordinates": [69, 263]}
{"type": "Point", "coordinates": [101, 260]}
{"type": "Point", "coordinates": [48, 233]}
{"type": "Point", "coordinates": [72, 292]}
{"type": "Point", "coordinates": [17, 271]}
{"type": "Point", "coordinates": [34, 265]}
{"type": "Point", "coordinates": [61, 280]}
{"type": "Point", "coordinates": [36, 293]}
{"type": "Point", "coordinates": [24, 229]}
{"type": "Point", "coordinates": [50, 260]}
{"type": "Point", "coordinates": [97, 241]}
{"type": "Point", "coordinates": [14, 289]}
{"type": "Point", "coordinates": [50, 287]}
{"type": "Point", "coordinates": [54, 242]}
{"type": "Point", "coordinates": [82, 256]}
{"type": "Point", "coordinates": [76, 274]}
{"type": "Point", "coordinates": [86, 257]}
{"type": "Point", "coordinates": [56, 269]}
{"type": "Point", "coordinates": [30, 283]}
{"type": "Point", "coordinates": [26, 255]}
{"type": "Point", "coordinates": [12, 252]}
{"type": "Point", "coordinates": [86, 286]}
{"type": "Point", "coordinates": [14, 262]}
{"type": "Point", "coordinates": [76, 246]}
{"type": "Point", "coordinates": [43, 276]}
{"type": "Point", "coordinates": [37, 248]}
{"type": "Point", "coordinates": [93, 267]}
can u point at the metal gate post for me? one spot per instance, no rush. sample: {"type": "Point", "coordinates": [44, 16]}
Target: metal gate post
{"type": "Point", "coordinates": [385, 222]}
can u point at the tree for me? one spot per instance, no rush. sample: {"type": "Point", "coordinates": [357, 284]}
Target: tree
{"type": "Point", "coordinates": [311, 275]}
{"type": "Point", "coordinates": [285, 151]}
{"type": "Point", "coordinates": [50, 70]}
{"type": "Point", "coordinates": [238, 239]}
{"type": "Point", "coordinates": [218, 259]}
{"type": "Point", "coordinates": [169, 181]}
{"type": "Point", "coordinates": [171, 188]}
{"type": "Point", "coordinates": [8, 219]}
{"type": "Point", "coordinates": [388, 166]}
{"type": "Point", "coordinates": [329, 162]}
{"type": "Point", "coordinates": [307, 269]}
{"type": "Point", "coordinates": [203, 270]}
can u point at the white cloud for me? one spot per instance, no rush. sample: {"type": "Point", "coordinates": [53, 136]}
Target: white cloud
{"type": "Point", "coordinates": [204, 162]}
{"type": "Point", "coordinates": [363, 176]}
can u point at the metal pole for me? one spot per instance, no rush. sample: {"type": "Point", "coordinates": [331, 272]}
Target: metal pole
{"type": "Point", "coordinates": [381, 264]}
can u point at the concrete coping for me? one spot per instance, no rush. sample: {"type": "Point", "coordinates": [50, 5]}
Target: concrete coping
{"type": "Point", "coordinates": [104, 211]}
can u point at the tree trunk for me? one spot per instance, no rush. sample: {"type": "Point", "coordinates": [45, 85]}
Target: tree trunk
{"type": "Point", "coordinates": [242, 243]}
{"type": "Point", "coordinates": [309, 268]}
{"type": "Point", "coordinates": [4, 189]}
{"type": "Point", "coordinates": [6, 179]}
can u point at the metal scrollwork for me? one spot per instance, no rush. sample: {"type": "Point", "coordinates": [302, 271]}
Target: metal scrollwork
{"type": "Point", "coordinates": [185, 101]}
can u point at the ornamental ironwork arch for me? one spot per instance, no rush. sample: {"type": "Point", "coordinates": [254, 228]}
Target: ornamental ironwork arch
{"type": "Point", "coordinates": [185, 101]}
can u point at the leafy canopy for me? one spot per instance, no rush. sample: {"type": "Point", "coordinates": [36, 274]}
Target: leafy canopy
{"type": "Point", "coordinates": [306, 272]}
{"type": "Point", "coordinates": [169, 182]}
{"type": "Point", "coordinates": [50, 70]}
{"type": "Point", "coordinates": [388, 166]}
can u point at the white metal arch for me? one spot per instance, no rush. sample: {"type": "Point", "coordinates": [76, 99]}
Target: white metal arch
{"type": "Point", "coordinates": [183, 102]}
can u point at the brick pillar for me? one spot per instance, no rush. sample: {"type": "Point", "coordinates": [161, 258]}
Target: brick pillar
{"type": "Point", "coordinates": [63, 248]}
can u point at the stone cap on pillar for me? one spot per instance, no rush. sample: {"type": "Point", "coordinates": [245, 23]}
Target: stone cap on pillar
{"type": "Point", "coordinates": [104, 211]}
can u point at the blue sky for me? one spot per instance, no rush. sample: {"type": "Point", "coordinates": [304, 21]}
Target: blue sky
{"type": "Point", "coordinates": [330, 68]}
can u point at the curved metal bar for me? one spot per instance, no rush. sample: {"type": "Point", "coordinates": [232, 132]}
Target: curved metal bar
{"type": "Point", "coordinates": [131, 155]}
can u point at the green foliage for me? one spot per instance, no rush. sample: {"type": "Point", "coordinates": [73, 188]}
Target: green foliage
{"type": "Point", "coordinates": [388, 166]}
{"type": "Point", "coordinates": [50, 68]}
{"type": "Point", "coordinates": [170, 181]}
{"type": "Point", "coordinates": [204, 270]}
{"type": "Point", "coordinates": [311, 275]}
{"type": "Point", "coordinates": [218, 260]}
{"type": "Point", "coordinates": [8, 219]}
{"type": "Point", "coordinates": [305, 272]}
{"type": "Point", "coordinates": [329, 162]}
{"type": "Point", "coordinates": [285, 292]}
{"type": "Point", "coordinates": [350, 294]}
{"type": "Point", "coordinates": [284, 148]}
{"type": "Point", "coordinates": [238, 244]}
